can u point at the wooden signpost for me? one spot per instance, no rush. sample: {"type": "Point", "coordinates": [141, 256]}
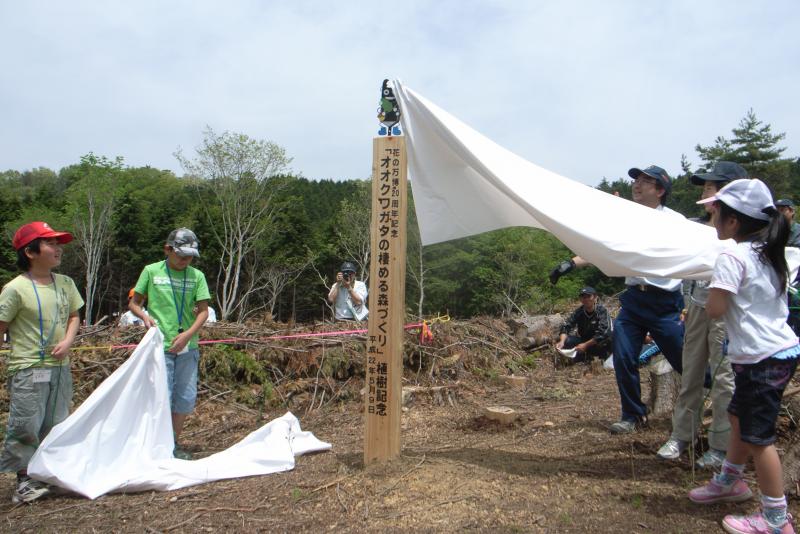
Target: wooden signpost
{"type": "Point", "coordinates": [383, 389]}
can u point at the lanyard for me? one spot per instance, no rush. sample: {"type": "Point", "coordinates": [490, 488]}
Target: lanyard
{"type": "Point", "coordinates": [179, 311]}
{"type": "Point", "coordinates": [42, 341]}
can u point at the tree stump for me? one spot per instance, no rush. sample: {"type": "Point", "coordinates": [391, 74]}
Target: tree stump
{"type": "Point", "coordinates": [515, 382]}
{"type": "Point", "coordinates": [440, 395]}
{"type": "Point", "coordinates": [665, 384]}
{"type": "Point", "coordinates": [502, 414]}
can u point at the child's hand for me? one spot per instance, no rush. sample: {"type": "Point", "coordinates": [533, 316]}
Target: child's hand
{"type": "Point", "coordinates": [179, 342]}
{"type": "Point", "coordinates": [148, 321]}
{"type": "Point", "coordinates": [61, 350]}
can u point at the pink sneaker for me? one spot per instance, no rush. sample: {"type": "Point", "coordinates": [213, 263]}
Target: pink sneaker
{"type": "Point", "coordinates": [754, 524]}
{"type": "Point", "coordinates": [713, 492]}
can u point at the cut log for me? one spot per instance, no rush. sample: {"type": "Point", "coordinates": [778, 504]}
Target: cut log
{"type": "Point", "coordinates": [502, 414]}
{"type": "Point", "coordinates": [534, 330]}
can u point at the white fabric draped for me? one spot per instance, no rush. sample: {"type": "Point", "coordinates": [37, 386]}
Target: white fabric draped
{"type": "Point", "coordinates": [465, 184]}
{"type": "Point", "coordinates": [120, 438]}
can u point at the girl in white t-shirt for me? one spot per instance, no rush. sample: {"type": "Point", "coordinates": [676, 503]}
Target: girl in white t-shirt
{"type": "Point", "coordinates": [748, 289]}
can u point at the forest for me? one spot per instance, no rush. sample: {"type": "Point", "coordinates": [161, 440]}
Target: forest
{"type": "Point", "coordinates": [271, 240]}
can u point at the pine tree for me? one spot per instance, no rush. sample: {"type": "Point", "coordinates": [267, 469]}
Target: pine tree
{"type": "Point", "coordinates": [755, 147]}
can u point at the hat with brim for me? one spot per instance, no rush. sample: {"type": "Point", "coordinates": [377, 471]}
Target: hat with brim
{"type": "Point", "coordinates": [37, 230]}
{"type": "Point", "coordinates": [655, 172]}
{"type": "Point", "coordinates": [184, 242]}
{"type": "Point", "coordinates": [750, 197]}
{"type": "Point", "coordinates": [587, 290]}
{"type": "Point", "coordinates": [723, 171]}
{"type": "Point", "coordinates": [784, 203]}
{"type": "Point", "coordinates": [348, 267]}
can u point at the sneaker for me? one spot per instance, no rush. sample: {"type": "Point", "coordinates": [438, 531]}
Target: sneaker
{"type": "Point", "coordinates": [181, 453]}
{"type": "Point", "coordinates": [672, 449]}
{"type": "Point", "coordinates": [28, 490]}
{"type": "Point", "coordinates": [623, 427]}
{"type": "Point", "coordinates": [755, 524]}
{"type": "Point", "coordinates": [711, 459]}
{"type": "Point", "coordinates": [713, 492]}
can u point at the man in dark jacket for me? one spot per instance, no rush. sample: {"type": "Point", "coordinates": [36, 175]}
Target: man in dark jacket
{"type": "Point", "coordinates": [593, 329]}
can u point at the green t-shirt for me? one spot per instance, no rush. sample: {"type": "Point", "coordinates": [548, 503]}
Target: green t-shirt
{"type": "Point", "coordinates": [18, 308]}
{"type": "Point", "coordinates": [164, 299]}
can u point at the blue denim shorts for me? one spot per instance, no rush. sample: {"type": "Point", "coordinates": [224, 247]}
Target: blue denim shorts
{"type": "Point", "coordinates": [757, 397]}
{"type": "Point", "coordinates": [182, 380]}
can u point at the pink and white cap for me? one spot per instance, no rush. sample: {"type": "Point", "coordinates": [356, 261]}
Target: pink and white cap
{"type": "Point", "coordinates": [748, 196]}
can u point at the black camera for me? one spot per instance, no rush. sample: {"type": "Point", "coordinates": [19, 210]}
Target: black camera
{"type": "Point", "coordinates": [346, 277]}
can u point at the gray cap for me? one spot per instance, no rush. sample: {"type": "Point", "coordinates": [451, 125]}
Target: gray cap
{"type": "Point", "coordinates": [784, 203]}
{"type": "Point", "coordinates": [184, 242]}
{"type": "Point", "coordinates": [723, 171]}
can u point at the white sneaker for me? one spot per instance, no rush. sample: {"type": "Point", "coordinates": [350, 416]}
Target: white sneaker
{"type": "Point", "coordinates": [711, 459]}
{"type": "Point", "coordinates": [28, 490]}
{"type": "Point", "coordinates": [672, 449]}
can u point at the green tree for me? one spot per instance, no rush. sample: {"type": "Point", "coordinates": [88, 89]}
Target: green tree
{"type": "Point", "coordinates": [243, 175]}
{"type": "Point", "coordinates": [684, 195]}
{"type": "Point", "coordinates": [149, 203]}
{"type": "Point", "coordinates": [90, 208]}
{"type": "Point", "coordinates": [756, 148]}
{"type": "Point", "coordinates": [415, 258]}
{"type": "Point", "coordinates": [352, 227]}
{"type": "Point", "coordinates": [620, 187]}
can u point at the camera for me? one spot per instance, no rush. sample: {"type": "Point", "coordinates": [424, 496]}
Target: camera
{"type": "Point", "coordinates": [346, 277]}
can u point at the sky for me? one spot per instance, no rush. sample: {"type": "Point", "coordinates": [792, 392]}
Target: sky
{"type": "Point", "coordinates": [586, 89]}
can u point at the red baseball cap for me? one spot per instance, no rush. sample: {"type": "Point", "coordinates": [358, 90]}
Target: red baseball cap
{"type": "Point", "coordinates": [36, 230]}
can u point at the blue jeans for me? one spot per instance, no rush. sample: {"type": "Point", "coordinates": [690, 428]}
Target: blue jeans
{"type": "Point", "coordinates": [656, 312]}
{"type": "Point", "coordinates": [182, 380]}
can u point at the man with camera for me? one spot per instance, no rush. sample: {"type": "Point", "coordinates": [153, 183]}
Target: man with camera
{"type": "Point", "coordinates": [348, 295]}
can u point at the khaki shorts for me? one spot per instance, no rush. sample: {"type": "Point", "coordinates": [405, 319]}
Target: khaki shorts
{"type": "Point", "coordinates": [40, 399]}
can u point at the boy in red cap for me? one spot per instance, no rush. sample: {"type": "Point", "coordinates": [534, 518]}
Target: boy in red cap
{"type": "Point", "coordinates": [39, 309]}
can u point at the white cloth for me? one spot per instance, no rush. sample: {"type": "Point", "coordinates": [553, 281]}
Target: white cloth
{"type": "Point", "coordinates": [756, 314]}
{"type": "Point", "coordinates": [667, 284]}
{"type": "Point", "coordinates": [129, 319]}
{"type": "Point", "coordinates": [212, 315]}
{"type": "Point", "coordinates": [465, 184]}
{"type": "Point", "coordinates": [120, 438]}
{"type": "Point", "coordinates": [345, 308]}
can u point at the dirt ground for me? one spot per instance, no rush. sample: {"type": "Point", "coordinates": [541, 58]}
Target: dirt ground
{"type": "Point", "coordinates": [556, 470]}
